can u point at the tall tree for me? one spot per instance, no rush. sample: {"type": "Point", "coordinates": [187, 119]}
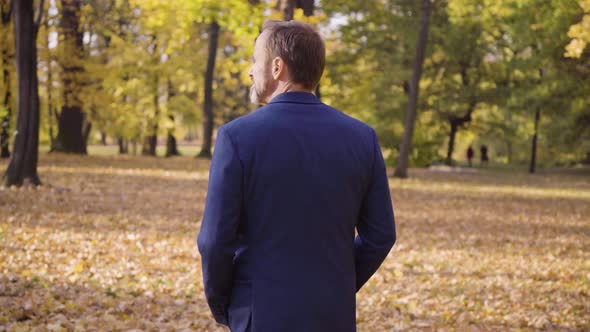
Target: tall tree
{"type": "Point", "coordinates": [6, 106]}
{"type": "Point", "coordinates": [208, 90]}
{"type": "Point", "coordinates": [533, 162]}
{"type": "Point", "coordinates": [70, 137]}
{"type": "Point", "coordinates": [454, 69]}
{"type": "Point", "coordinates": [51, 112]}
{"type": "Point", "coordinates": [151, 139]}
{"type": "Point", "coordinates": [401, 169]}
{"type": "Point", "coordinates": [171, 146]}
{"type": "Point", "coordinates": [22, 168]}
{"type": "Point", "coordinates": [241, 19]}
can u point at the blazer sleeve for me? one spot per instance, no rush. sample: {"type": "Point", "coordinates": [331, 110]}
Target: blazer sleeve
{"type": "Point", "coordinates": [219, 228]}
{"type": "Point", "coordinates": [376, 224]}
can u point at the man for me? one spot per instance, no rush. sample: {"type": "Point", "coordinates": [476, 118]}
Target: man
{"type": "Point", "coordinates": [288, 185]}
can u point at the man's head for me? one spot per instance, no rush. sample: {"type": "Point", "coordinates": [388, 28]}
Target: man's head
{"type": "Point", "coordinates": [288, 56]}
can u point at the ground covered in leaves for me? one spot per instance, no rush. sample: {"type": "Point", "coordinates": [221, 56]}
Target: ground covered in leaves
{"type": "Point", "coordinates": [109, 244]}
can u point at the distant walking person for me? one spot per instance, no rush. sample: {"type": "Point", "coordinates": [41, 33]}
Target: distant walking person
{"type": "Point", "coordinates": [484, 155]}
{"type": "Point", "coordinates": [288, 186]}
{"type": "Point", "coordinates": [470, 155]}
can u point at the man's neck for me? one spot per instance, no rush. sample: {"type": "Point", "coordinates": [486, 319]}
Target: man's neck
{"type": "Point", "coordinates": [288, 87]}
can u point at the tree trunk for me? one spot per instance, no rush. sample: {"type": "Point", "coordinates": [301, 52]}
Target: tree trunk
{"type": "Point", "coordinates": [103, 138]}
{"type": "Point", "coordinates": [451, 147]}
{"type": "Point", "coordinates": [70, 137]}
{"type": "Point", "coordinates": [123, 146]}
{"type": "Point", "coordinates": [171, 146]}
{"type": "Point", "coordinates": [5, 14]}
{"type": "Point", "coordinates": [22, 168]}
{"type": "Point", "coordinates": [86, 132]}
{"type": "Point", "coordinates": [401, 169]}
{"type": "Point", "coordinates": [145, 146]}
{"type": "Point", "coordinates": [533, 163]}
{"type": "Point", "coordinates": [148, 148]}
{"type": "Point", "coordinates": [151, 141]}
{"type": "Point", "coordinates": [456, 123]}
{"type": "Point", "coordinates": [51, 116]}
{"type": "Point", "coordinates": [208, 103]}
{"type": "Point", "coordinates": [5, 121]}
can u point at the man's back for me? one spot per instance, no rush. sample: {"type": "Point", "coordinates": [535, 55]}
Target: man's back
{"type": "Point", "coordinates": [292, 181]}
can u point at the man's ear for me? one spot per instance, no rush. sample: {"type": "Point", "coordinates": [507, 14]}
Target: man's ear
{"type": "Point", "coordinates": [278, 67]}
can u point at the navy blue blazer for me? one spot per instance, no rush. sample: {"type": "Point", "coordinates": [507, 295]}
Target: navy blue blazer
{"type": "Point", "coordinates": [288, 185]}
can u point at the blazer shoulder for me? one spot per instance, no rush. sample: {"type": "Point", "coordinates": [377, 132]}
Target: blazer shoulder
{"type": "Point", "coordinates": [352, 121]}
{"type": "Point", "coordinates": [241, 122]}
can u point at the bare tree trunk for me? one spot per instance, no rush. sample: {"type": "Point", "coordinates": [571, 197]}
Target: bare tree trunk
{"type": "Point", "coordinates": [86, 131]}
{"type": "Point", "coordinates": [70, 137]}
{"type": "Point", "coordinates": [22, 168]}
{"type": "Point", "coordinates": [151, 141]}
{"type": "Point", "coordinates": [456, 123]}
{"type": "Point", "coordinates": [5, 14]}
{"type": "Point", "coordinates": [208, 103]}
{"type": "Point", "coordinates": [7, 102]}
{"type": "Point", "coordinates": [171, 146]}
{"type": "Point", "coordinates": [533, 163]}
{"type": "Point", "coordinates": [123, 145]}
{"type": "Point", "coordinates": [146, 146]}
{"type": "Point", "coordinates": [401, 169]}
{"type": "Point", "coordinates": [451, 147]}
{"type": "Point", "coordinates": [508, 121]}
{"type": "Point", "coordinates": [51, 116]}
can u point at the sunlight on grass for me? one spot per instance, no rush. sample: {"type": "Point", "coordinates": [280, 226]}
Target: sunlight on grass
{"type": "Point", "coordinates": [139, 172]}
{"type": "Point", "coordinates": [471, 188]}
{"type": "Point", "coordinates": [109, 150]}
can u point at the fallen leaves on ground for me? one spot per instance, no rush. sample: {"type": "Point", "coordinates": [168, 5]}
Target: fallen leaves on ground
{"type": "Point", "coordinates": [109, 244]}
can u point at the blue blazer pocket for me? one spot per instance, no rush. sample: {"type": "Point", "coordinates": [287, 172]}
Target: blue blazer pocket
{"type": "Point", "coordinates": [240, 307]}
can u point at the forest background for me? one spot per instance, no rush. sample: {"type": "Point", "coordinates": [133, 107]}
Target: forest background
{"type": "Point", "coordinates": [512, 75]}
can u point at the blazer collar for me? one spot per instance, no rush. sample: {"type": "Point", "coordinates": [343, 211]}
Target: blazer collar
{"type": "Point", "coordinates": [296, 97]}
